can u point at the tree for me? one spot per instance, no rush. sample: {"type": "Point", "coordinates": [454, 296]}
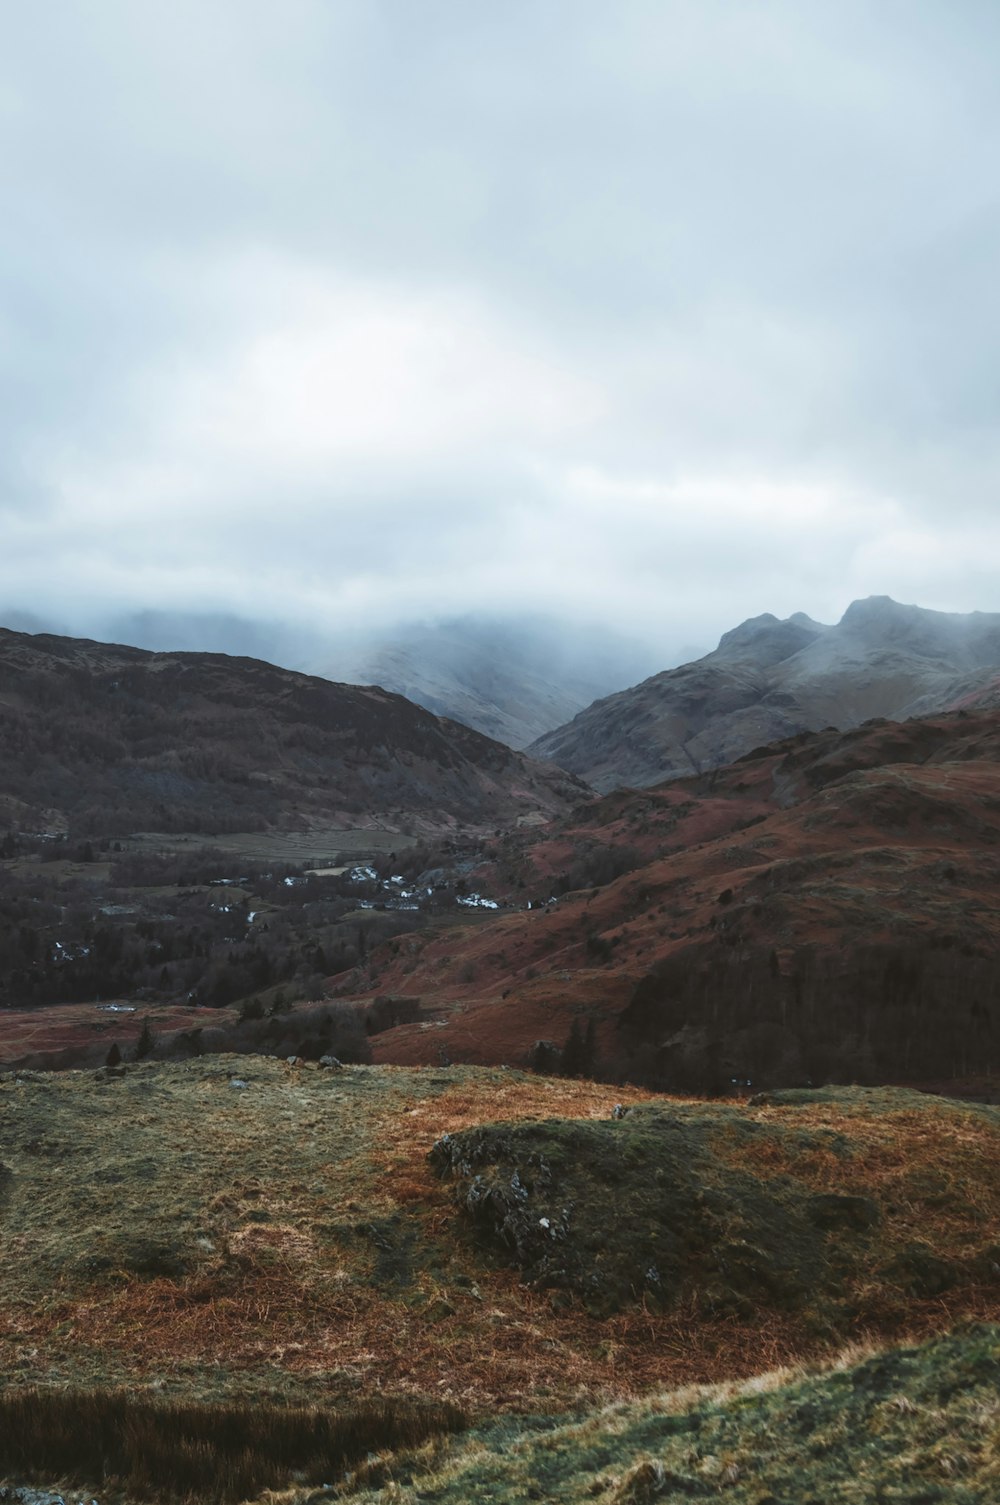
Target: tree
{"type": "Point", "coordinates": [573, 1051]}
{"type": "Point", "coordinates": [590, 1048]}
{"type": "Point", "coordinates": [145, 1043]}
{"type": "Point", "coordinates": [579, 1054]}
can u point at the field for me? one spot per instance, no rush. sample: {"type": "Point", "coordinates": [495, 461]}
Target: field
{"type": "Point", "coordinates": [232, 1231]}
{"type": "Point", "coordinates": [314, 848]}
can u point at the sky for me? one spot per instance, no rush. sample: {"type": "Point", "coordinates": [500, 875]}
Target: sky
{"type": "Point", "coordinates": [655, 314]}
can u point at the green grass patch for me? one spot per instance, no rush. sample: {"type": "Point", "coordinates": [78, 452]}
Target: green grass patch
{"type": "Point", "coordinates": [913, 1426]}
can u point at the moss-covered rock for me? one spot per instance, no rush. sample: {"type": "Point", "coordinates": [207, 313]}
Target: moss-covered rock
{"type": "Point", "coordinates": [646, 1207]}
{"type": "Point", "coordinates": [727, 1208]}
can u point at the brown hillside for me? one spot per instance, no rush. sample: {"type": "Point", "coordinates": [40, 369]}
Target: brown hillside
{"type": "Point", "coordinates": [102, 739]}
{"type": "Point", "coordinates": [824, 909]}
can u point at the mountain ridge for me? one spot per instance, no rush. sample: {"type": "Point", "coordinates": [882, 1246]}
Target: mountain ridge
{"type": "Point", "coordinates": [769, 679]}
{"type": "Point", "coordinates": [108, 739]}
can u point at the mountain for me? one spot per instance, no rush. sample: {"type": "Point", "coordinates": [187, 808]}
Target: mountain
{"type": "Point", "coordinates": [511, 677]}
{"type": "Point", "coordinates": [104, 739]}
{"type": "Point", "coordinates": [769, 679]}
{"type": "Point", "coordinates": [512, 680]}
{"type": "Point", "coordinates": [827, 908]}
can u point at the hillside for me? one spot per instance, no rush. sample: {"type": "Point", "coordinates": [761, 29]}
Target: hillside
{"type": "Point", "coordinates": [826, 908]}
{"type": "Point", "coordinates": [769, 679]}
{"type": "Point", "coordinates": [99, 739]}
{"type": "Point", "coordinates": [269, 1272]}
{"type": "Point", "coordinates": [906, 1426]}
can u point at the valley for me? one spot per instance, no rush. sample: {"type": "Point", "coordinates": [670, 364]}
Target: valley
{"type": "Point", "coordinates": [385, 1115]}
{"type": "Point", "coordinates": [499, 753]}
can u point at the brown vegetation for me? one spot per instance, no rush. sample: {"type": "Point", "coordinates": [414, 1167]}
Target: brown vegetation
{"type": "Point", "coordinates": [240, 1226]}
{"type": "Point", "coordinates": [103, 740]}
{"type": "Point", "coordinates": [218, 1455]}
{"type": "Point", "coordinates": [818, 911]}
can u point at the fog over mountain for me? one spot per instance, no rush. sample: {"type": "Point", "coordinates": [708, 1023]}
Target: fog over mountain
{"type": "Point", "coordinates": [770, 679]}
{"type": "Point", "coordinates": [511, 678]}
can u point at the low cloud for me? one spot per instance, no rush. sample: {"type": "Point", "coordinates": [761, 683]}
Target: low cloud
{"type": "Point", "coordinates": [660, 317]}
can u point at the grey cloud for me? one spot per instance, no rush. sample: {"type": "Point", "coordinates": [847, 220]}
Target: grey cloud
{"type": "Point", "coordinates": [755, 244]}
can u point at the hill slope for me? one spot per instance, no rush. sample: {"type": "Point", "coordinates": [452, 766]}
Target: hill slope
{"type": "Point", "coordinates": [825, 908]}
{"type": "Point", "coordinates": [106, 739]}
{"type": "Point", "coordinates": [233, 1231]}
{"type": "Point", "coordinates": [769, 679]}
{"type": "Point", "coordinates": [903, 1426]}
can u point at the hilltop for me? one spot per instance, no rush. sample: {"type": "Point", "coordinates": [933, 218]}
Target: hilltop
{"type": "Point", "coordinates": [99, 739]}
{"type": "Point", "coordinates": [770, 679]}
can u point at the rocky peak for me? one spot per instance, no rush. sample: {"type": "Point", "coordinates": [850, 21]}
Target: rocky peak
{"type": "Point", "coordinates": [879, 614]}
{"type": "Point", "coordinates": [880, 622]}
{"type": "Point", "coordinates": [767, 640]}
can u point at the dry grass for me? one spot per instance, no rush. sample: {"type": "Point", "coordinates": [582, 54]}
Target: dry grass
{"type": "Point", "coordinates": [408, 1177]}
{"type": "Point", "coordinates": [910, 1425]}
{"type": "Point", "coordinates": [317, 1255]}
{"type": "Point", "coordinates": [930, 1164]}
{"type": "Point", "coordinates": [164, 1450]}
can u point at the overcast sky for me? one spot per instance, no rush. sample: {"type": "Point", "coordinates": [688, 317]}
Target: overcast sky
{"type": "Point", "coordinates": [662, 313]}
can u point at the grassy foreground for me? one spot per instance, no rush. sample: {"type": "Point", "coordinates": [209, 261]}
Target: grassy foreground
{"type": "Point", "coordinates": [910, 1426]}
{"type": "Point", "coordinates": [914, 1426]}
{"type": "Point", "coordinates": [233, 1248]}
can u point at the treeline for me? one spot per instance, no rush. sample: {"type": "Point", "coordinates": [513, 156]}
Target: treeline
{"type": "Point", "coordinates": [576, 1057]}
{"type": "Point", "coordinates": [596, 864]}
{"type": "Point", "coordinates": [182, 929]}
{"type": "Point", "coordinates": [873, 1013]}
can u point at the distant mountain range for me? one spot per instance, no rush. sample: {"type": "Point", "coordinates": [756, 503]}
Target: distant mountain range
{"type": "Point", "coordinates": [99, 738]}
{"type": "Point", "coordinates": [770, 679]}
{"type": "Point", "coordinates": [510, 679]}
